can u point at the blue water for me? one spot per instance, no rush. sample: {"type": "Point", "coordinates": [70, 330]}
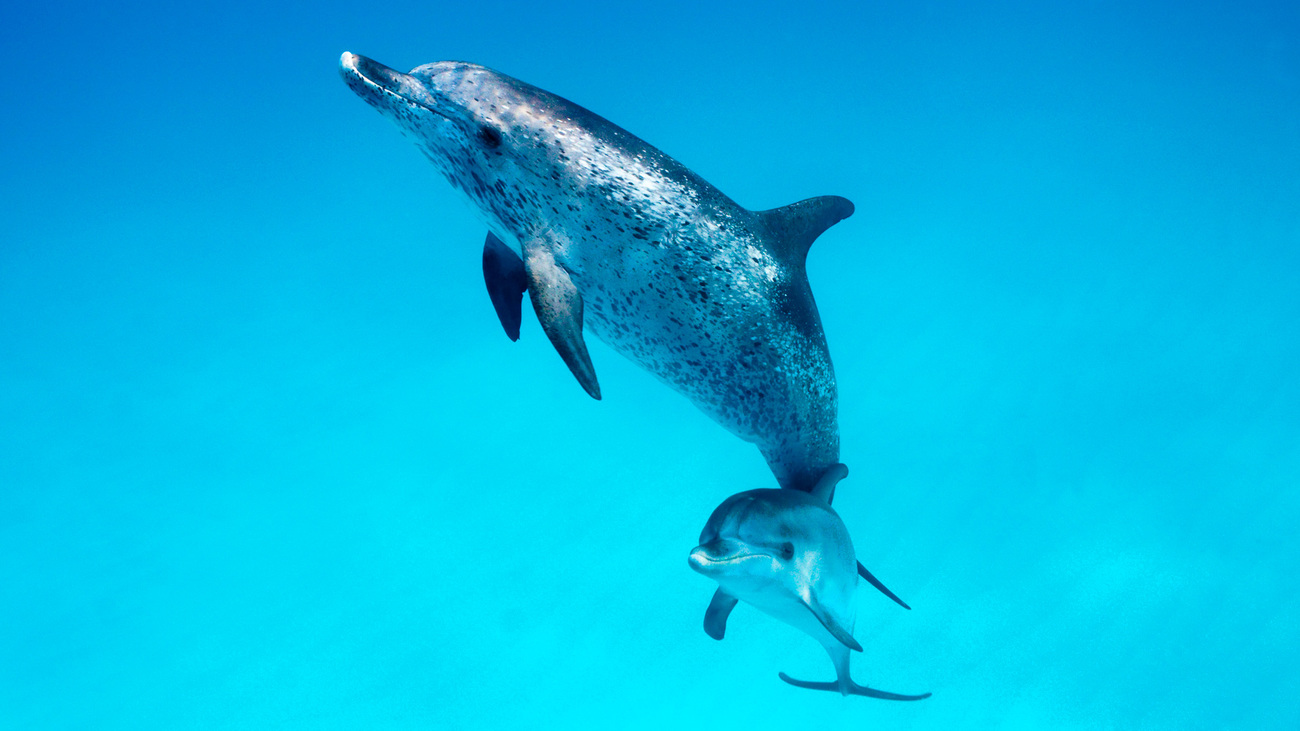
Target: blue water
{"type": "Point", "coordinates": [266, 459]}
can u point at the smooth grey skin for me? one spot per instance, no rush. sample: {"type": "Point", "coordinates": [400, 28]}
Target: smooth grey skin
{"type": "Point", "coordinates": [715, 617]}
{"type": "Point", "coordinates": [606, 232]}
{"type": "Point", "coordinates": [787, 553]}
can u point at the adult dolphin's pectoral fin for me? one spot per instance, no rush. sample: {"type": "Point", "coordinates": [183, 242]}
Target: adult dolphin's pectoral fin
{"type": "Point", "coordinates": [559, 308]}
{"type": "Point", "coordinates": [852, 688]}
{"type": "Point", "coordinates": [715, 617]}
{"type": "Point", "coordinates": [862, 571]}
{"type": "Point", "coordinates": [503, 271]}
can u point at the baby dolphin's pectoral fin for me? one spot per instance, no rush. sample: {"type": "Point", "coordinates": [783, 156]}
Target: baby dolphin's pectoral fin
{"type": "Point", "coordinates": [828, 620]}
{"type": "Point", "coordinates": [837, 631]}
{"type": "Point", "coordinates": [715, 617]}
{"type": "Point", "coordinates": [503, 271]}
{"type": "Point", "coordinates": [862, 571]}
{"type": "Point", "coordinates": [559, 308]}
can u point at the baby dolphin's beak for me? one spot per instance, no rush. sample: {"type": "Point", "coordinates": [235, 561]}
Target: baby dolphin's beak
{"type": "Point", "coordinates": [708, 557]}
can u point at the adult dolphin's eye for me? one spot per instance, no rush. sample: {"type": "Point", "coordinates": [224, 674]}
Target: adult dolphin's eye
{"type": "Point", "coordinates": [489, 137]}
{"type": "Point", "coordinates": [786, 550]}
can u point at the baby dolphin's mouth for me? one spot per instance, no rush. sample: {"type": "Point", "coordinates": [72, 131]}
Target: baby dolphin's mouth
{"type": "Point", "coordinates": [718, 553]}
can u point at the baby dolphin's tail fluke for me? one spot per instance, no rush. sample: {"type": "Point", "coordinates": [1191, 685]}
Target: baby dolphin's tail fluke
{"type": "Point", "coordinates": [845, 686]}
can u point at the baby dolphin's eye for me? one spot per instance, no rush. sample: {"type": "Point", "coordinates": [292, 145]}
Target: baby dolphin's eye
{"type": "Point", "coordinates": [787, 550]}
{"type": "Point", "coordinates": [489, 136]}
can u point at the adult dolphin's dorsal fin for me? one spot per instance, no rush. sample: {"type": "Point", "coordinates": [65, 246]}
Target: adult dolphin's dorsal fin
{"type": "Point", "coordinates": [825, 487]}
{"type": "Point", "coordinates": [828, 620]}
{"type": "Point", "coordinates": [503, 271]}
{"type": "Point", "coordinates": [559, 308]}
{"type": "Point", "coordinates": [715, 617]}
{"type": "Point", "coordinates": [793, 228]}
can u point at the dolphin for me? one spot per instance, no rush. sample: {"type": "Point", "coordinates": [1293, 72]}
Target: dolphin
{"type": "Point", "coordinates": [787, 553]}
{"type": "Point", "coordinates": [609, 235]}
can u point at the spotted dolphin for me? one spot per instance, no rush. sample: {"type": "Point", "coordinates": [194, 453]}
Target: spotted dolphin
{"type": "Point", "coordinates": [788, 553]}
{"type": "Point", "coordinates": [608, 234]}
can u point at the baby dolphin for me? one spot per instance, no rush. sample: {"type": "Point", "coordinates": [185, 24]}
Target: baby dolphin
{"type": "Point", "coordinates": [607, 233]}
{"type": "Point", "coordinates": [787, 553]}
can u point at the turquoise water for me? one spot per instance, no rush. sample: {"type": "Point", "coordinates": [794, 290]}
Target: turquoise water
{"type": "Point", "coordinates": [266, 459]}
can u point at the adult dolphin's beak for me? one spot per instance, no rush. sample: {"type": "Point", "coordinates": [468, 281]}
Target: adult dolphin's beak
{"type": "Point", "coordinates": [377, 74]}
{"type": "Point", "coordinates": [382, 86]}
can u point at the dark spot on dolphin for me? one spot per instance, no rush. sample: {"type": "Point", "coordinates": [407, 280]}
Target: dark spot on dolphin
{"type": "Point", "coordinates": [490, 137]}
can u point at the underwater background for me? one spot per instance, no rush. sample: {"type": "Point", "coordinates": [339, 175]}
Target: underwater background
{"type": "Point", "coordinates": [268, 461]}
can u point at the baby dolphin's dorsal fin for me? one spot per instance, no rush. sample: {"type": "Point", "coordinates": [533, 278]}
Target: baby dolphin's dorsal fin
{"type": "Point", "coordinates": [825, 489]}
{"type": "Point", "coordinates": [793, 228]}
{"type": "Point", "coordinates": [871, 579]}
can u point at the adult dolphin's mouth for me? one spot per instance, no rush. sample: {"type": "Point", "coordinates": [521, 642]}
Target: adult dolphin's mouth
{"type": "Point", "coordinates": [373, 81]}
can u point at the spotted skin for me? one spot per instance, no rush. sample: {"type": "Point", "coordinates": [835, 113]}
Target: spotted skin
{"type": "Point", "coordinates": [708, 296]}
